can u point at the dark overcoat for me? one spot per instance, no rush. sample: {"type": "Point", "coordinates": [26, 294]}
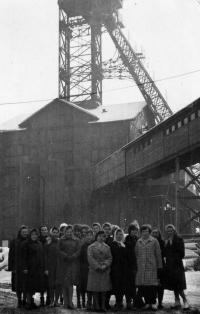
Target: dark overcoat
{"type": "Point", "coordinates": [98, 280]}
{"type": "Point", "coordinates": [68, 270]}
{"type": "Point", "coordinates": [149, 259]}
{"type": "Point", "coordinates": [14, 264]}
{"type": "Point", "coordinates": [32, 259]}
{"type": "Point", "coordinates": [123, 268]}
{"type": "Point", "coordinates": [174, 275]}
{"type": "Point", "coordinates": [51, 257]}
{"type": "Point", "coordinates": [84, 266]}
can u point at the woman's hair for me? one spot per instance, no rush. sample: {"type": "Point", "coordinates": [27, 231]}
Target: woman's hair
{"type": "Point", "coordinates": [20, 229]}
{"type": "Point", "coordinates": [96, 224]}
{"type": "Point", "coordinates": [98, 233]}
{"type": "Point", "coordinates": [77, 227]}
{"type": "Point", "coordinates": [86, 227]}
{"type": "Point", "coordinates": [145, 227]}
{"type": "Point", "coordinates": [114, 228]}
{"type": "Point", "coordinates": [40, 228]}
{"type": "Point", "coordinates": [133, 226]}
{"type": "Point", "coordinates": [33, 230]}
{"type": "Point", "coordinates": [107, 224]}
{"type": "Point", "coordinates": [69, 227]}
{"type": "Point", "coordinates": [170, 226]}
{"type": "Point", "coordinates": [89, 231]}
{"type": "Point", "coordinates": [54, 228]}
{"type": "Point", "coordinates": [159, 232]}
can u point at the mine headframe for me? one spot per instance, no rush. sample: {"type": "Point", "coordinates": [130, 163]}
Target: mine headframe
{"type": "Point", "coordinates": [81, 69]}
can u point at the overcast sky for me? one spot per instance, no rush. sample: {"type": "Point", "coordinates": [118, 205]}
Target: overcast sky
{"type": "Point", "coordinates": [167, 30]}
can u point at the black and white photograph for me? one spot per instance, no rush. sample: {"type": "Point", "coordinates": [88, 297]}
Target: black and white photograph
{"type": "Point", "coordinates": [99, 156]}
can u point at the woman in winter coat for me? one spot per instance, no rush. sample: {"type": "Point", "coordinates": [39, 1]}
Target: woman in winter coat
{"type": "Point", "coordinates": [174, 275]}
{"type": "Point", "coordinates": [14, 264]}
{"type": "Point", "coordinates": [132, 239]}
{"type": "Point", "coordinates": [122, 265]}
{"type": "Point", "coordinates": [68, 270]}
{"type": "Point", "coordinates": [32, 265]}
{"type": "Point", "coordinates": [156, 233]}
{"type": "Point", "coordinates": [100, 259]}
{"type": "Point", "coordinates": [149, 266]}
{"type": "Point", "coordinates": [51, 257]}
{"type": "Point", "coordinates": [85, 270]}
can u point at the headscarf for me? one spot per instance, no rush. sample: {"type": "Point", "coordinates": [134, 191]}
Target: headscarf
{"type": "Point", "coordinates": [29, 235]}
{"type": "Point", "coordinates": [174, 229]}
{"type": "Point", "coordinates": [123, 237]}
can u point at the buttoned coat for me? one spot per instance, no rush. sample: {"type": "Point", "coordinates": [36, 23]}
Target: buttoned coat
{"type": "Point", "coordinates": [98, 280]}
{"type": "Point", "coordinates": [149, 259]}
{"type": "Point", "coordinates": [68, 269]}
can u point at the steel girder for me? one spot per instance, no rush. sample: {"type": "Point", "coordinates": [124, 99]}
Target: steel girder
{"type": "Point", "coordinates": [143, 80]}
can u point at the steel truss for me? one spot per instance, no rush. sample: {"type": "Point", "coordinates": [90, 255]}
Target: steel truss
{"type": "Point", "coordinates": [143, 80]}
{"type": "Point", "coordinates": [80, 61]}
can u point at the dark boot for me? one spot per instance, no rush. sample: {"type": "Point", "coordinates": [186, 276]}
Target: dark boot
{"type": "Point", "coordinates": [96, 301]}
{"type": "Point", "coordinates": [42, 302]}
{"type": "Point", "coordinates": [89, 301]}
{"type": "Point", "coordinates": [103, 301]}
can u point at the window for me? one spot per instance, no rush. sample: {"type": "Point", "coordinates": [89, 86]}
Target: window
{"type": "Point", "coordinates": [192, 116]}
{"type": "Point", "coordinates": [173, 128]}
{"type": "Point", "coordinates": [179, 124]}
{"type": "Point", "coordinates": [186, 120]}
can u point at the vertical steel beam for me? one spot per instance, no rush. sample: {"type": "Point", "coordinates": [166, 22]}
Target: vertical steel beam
{"type": "Point", "coordinates": [64, 56]}
{"type": "Point", "coordinates": [96, 58]}
{"type": "Point", "coordinates": [177, 217]}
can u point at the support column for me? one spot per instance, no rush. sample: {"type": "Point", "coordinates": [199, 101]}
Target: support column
{"type": "Point", "coordinates": [177, 217]}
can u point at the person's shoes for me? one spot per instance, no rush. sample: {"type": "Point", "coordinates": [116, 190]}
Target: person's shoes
{"type": "Point", "coordinates": [56, 304]}
{"type": "Point", "coordinates": [130, 307]}
{"type": "Point", "coordinates": [177, 304]}
{"type": "Point", "coordinates": [48, 301]}
{"type": "Point", "coordinates": [186, 305]}
{"type": "Point", "coordinates": [154, 307]}
{"type": "Point", "coordinates": [51, 304]}
{"type": "Point", "coordinates": [79, 305]}
{"type": "Point", "coordinates": [160, 305]}
{"type": "Point", "coordinates": [29, 307]}
{"type": "Point", "coordinates": [34, 306]}
{"type": "Point", "coordinates": [117, 307]}
{"type": "Point", "coordinates": [146, 307]}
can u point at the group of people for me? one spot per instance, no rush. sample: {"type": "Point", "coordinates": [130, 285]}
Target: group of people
{"type": "Point", "coordinates": [100, 261]}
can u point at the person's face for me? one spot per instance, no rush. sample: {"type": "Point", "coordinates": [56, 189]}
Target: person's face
{"type": "Point", "coordinates": [101, 238]}
{"type": "Point", "coordinates": [44, 231]}
{"type": "Point", "coordinates": [170, 232]}
{"type": "Point", "coordinates": [83, 233]}
{"type": "Point", "coordinates": [34, 236]}
{"type": "Point", "coordinates": [62, 231]}
{"type": "Point", "coordinates": [89, 237]}
{"type": "Point", "coordinates": [133, 233]}
{"type": "Point", "coordinates": [77, 234]}
{"type": "Point", "coordinates": [55, 234]}
{"type": "Point", "coordinates": [107, 230]}
{"type": "Point", "coordinates": [95, 229]}
{"type": "Point", "coordinates": [24, 233]}
{"type": "Point", "coordinates": [155, 233]}
{"type": "Point", "coordinates": [119, 236]}
{"type": "Point", "coordinates": [145, 233]}
{"type": "Point", "coordinates": [69, 233]}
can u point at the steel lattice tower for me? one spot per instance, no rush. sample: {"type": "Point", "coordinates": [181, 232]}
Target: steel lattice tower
{"type": "Point", "coordinates": [81, 69]}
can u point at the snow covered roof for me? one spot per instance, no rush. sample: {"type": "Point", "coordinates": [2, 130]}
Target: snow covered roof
{"type": "Point", "coordinates": [118, 112]}
{"type": "Point", "coordinates": [108, 113]}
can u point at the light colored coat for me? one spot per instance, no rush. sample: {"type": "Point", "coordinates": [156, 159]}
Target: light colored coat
{"type": "Point", "coordinates": [148, 261]}
{"type": "Point", "coordinates": [99, 280]}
